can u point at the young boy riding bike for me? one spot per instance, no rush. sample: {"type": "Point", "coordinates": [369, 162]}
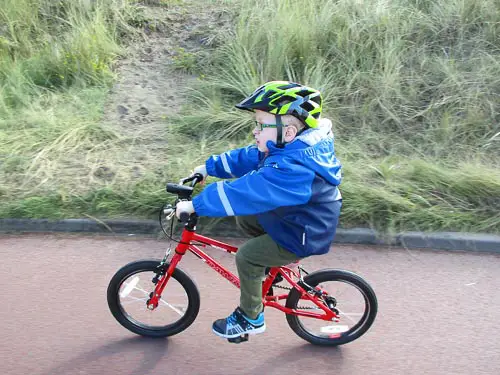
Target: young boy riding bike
{"type": "Point", "coordinates": [285, 192]}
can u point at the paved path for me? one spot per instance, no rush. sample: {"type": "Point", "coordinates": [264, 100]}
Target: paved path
{"type": "Point", "coordinates": [439, 313]}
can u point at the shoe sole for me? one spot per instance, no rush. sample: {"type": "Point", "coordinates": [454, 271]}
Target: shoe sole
{"type": "Point", "coordinates": [252, 332]}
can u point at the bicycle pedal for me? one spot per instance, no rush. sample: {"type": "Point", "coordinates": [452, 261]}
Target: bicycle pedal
{"type": "Point", "coordinates": [239, 339]}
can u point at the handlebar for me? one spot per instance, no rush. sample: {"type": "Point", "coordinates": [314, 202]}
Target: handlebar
{"type": "Point", "coordinates": [184, 192]}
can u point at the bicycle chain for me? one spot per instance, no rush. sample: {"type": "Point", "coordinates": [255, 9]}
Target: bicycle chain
{"type": "Point", "coordinates": [281, 287]}
{"type": "Point", "coordinates": [298, 307]}
{"type": "Point", "coordinates": [307, 308]}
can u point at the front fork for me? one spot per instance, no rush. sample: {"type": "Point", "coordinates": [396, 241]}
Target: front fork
{"type": "Point", "coordinates": [162, 276]}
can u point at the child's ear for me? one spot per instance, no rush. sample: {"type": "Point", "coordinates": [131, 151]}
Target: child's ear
{"type": "Point", "coordinates": [290, 133]}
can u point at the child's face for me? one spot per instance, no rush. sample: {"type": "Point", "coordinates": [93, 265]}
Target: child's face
{"type": "Point", "coordinates": [271, 133]}
{"type": "Point", "coordinates": [266, 134]}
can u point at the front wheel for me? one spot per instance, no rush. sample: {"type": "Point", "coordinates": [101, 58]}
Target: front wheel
{"type": "Point", "coordinates": [352, 299]}
{"type": "Point", "coordinates": [130, 288]}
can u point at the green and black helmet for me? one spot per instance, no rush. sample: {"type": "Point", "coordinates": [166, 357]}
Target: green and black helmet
{"type": "Point", "coordinates": [286, 98]}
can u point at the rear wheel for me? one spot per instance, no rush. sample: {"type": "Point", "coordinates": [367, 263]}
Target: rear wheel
{"type": "Point", "coordinates": [130, 288]}
{"type": "Point", "coordinates": [348, 295]}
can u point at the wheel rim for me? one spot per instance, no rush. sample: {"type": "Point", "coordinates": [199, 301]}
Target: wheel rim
{"type": "Point", "coordinates": [353, 310]}
{"type": "Point", "coordinates": [134, 292]}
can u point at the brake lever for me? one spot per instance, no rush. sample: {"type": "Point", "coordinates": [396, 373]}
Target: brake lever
{"type": "Point", "coordinates": [197, 177]}
{"type": "Point", "coordinates": [169, 213]}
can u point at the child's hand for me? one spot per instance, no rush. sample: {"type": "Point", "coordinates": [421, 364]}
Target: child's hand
{"type": "Point", "coordinates": [184, 206]}
{"type": "Point", "coordinates": [201, 169]}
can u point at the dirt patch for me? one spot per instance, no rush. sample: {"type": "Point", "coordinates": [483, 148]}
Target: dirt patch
{"type": "Point", "coordinates": [154, 73]}
{"type": "Point", "coordinates": [147, 89]}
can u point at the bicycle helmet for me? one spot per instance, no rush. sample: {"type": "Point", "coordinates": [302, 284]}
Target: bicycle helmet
{"type": "Point", "coordinates": [286, 98]}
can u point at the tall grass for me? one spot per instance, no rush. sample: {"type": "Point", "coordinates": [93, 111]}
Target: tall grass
{"type": "Point", "coordinates": [56, 64]}
{"type": "Point", "coordinates": [411, 86]}
{"type": "Point", "coordinates": [58, 155]}
{"type": "Point", "coordinates": [424, 72]}
{"type": "Point", "coordinates": [398, 193]}
{"type": "Point", "coordinates": [47, 45]}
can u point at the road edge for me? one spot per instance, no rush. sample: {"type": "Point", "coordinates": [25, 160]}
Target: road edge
{"type": "Point", "coordinates": [453, 241]}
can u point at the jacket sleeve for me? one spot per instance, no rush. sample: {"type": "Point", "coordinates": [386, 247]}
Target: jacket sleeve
{"type": "Point", "coordinates": [256, 192]}
{"type": "Point", "coordinates": [234, 163]}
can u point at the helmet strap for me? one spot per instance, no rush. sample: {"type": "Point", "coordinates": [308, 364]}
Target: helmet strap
{"type": "Point", "coordinates": [281, 134]}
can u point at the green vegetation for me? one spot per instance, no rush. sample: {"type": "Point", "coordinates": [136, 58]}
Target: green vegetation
{"type": "Point", "coordinates": [412, 87]}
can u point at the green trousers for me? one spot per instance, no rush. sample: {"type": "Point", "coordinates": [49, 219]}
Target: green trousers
{"type": "Point", "coordinates": [252, 259]}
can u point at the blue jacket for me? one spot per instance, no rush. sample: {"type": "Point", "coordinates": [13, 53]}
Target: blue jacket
{"type": "Point", "coordinates": [292, 191]}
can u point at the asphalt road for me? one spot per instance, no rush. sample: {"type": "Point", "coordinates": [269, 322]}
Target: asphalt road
{"type": "Point", "coordinates": [439, 313]}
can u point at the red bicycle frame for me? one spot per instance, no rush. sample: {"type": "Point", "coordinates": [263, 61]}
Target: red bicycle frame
{"type": "Point", "coordinates": [188, 236]}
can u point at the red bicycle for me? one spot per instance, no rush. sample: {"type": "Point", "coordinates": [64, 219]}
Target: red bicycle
{"type": "Point", "coordinates": [325, 307]}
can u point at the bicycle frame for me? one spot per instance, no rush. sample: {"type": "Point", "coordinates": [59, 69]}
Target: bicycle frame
{"type": "Point", "coordinates": [189, 235]}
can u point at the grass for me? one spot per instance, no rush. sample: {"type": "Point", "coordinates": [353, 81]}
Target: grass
{"type": "Point", "coordinates": [411, 87]}
{"type": "Point", "coordinates": [48, 45]}
{"type": "Point", "coordinates": [56, 65]}
{"type": "Point", "coordinates": [418, 194]}
{"type": "Point", "coordinates": [426, 74]}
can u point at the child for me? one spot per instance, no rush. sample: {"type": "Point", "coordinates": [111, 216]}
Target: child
{"type": "Point", "coordinates": [285, 192]}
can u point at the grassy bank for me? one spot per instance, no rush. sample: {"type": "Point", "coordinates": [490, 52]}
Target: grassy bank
{"type": "Point", "coordinates": [411, 87]}
{"type": "Point", "coordinates": [56, 67]}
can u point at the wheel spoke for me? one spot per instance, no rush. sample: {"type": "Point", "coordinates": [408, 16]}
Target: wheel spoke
{"type": "Point", "coordinates": [133, 300]}
{"type": "Point", "coordinates": [348, 316]}
{"type": "Point", "coordinates": [180, 312]}
{"type": "Point", "coordinates": [143, 291]}
{"type": "Point", "coordinates": [177, 308]}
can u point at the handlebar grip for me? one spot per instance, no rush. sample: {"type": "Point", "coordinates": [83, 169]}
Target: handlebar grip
{"type": "Point", "coordinates": [194, 179]}
{"type": "Point", "coordinates": [198, 177]}
{"type": "Point", "coordinates": [184, 217]}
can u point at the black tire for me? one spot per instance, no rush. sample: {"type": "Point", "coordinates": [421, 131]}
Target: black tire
{"type": "Point", "coordinates": [315, 278]}
{"type": "Point", "coordinates": [168, 330]}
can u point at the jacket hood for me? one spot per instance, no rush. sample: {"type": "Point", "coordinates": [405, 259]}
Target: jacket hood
{"type": "Point", "coordinates": [314, 136]}
{"type": "Point", "coordinates": [314, 148]}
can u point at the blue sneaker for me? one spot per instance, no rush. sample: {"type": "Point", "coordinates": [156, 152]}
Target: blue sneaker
{"type": "Point", "coordinates": [237, 324]}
